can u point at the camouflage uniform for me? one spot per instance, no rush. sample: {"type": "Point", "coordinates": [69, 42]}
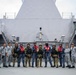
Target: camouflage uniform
{"type": "Point", "coordinates": [28, 52]}
{"type": "Point", "coordinates": [9, 49]}
{"type": "Point", "coordinates": [15, 54]}
{"type": "Point", "coordinates": [54, 54]}
{"type": "Point", "coordinates": [4, 56]}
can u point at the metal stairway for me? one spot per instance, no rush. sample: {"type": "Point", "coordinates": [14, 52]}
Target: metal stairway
{"type": "Point", "coordinates": [72, 38]}
{"type": "Point", "coordinates": [5, 38]}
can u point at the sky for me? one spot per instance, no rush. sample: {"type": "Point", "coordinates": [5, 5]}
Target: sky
{"type": "Point", "coordinates": [11, 7]}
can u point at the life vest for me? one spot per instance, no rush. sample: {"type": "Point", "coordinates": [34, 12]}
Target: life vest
{"type": "Point", "coordinates": [36, 48]}
{"type": "Point", "coordinates": [22, 49]}
{"type": "Point", "coordinates": [60, 49]}
{"type": "Point", "coordinates": [47, 48]}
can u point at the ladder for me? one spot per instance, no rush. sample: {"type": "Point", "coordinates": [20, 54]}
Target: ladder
{"type": "Point", "coordinates": [72, 37]}
{"type": "Point", "coordinates": [5, 38]}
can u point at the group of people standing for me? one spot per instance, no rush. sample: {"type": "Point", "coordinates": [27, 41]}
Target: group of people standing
{"type": "Point", "coordinates": [36, 55]}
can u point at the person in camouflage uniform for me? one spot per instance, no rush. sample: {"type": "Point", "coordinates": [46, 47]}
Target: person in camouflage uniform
{"type": "Point", "coordinates": [39, 56]}
{"type": "Point", "coordinates": [15, 53]}
{"type": "Point", "coordinates": [9, 49]}
{"type": "Point", "coordinates": [4, 55]}
{"type": "Point", "coordinates": [28, 52]}
{"type": "Point", "coordinates": [54, 55]}
{"type": "Point", "coordinates": [73, 55]}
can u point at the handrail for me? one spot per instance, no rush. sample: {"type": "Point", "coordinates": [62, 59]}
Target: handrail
{"type": "Point", "coordinates": [72, 37]}
{"type": "Point", "coordinates": [5, 38]}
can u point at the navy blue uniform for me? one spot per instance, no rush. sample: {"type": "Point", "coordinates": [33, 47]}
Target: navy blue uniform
{"type": "Point", "coordinates": [47, 53]}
